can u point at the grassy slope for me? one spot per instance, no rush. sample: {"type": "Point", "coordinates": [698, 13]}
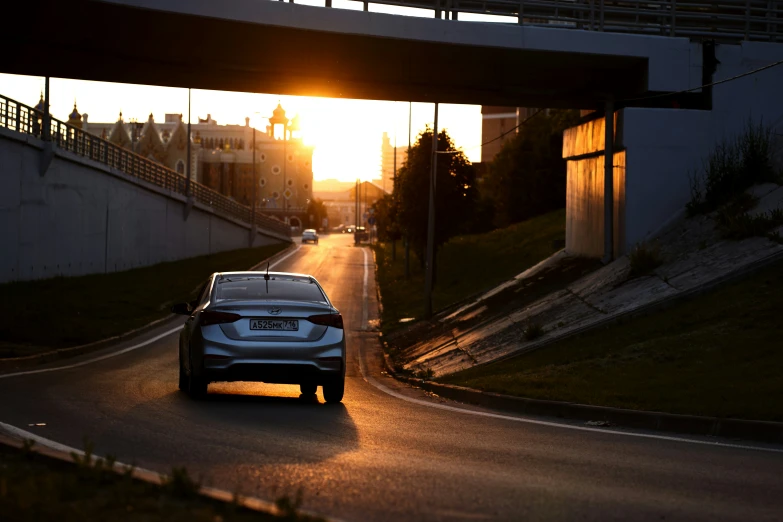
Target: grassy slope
{"type": "Point", "coordinates": [717, 355]}
{"type": "Point", "coordinates": [467, 265]}
{"type": "Point", "coordinates": [61, 312]}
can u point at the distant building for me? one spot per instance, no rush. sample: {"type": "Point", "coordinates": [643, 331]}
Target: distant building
{"type": "Point", "coordinates": [498, 125]}
{"type": "Point", "coordinates": [341, 206]}
{"type": "Point", "coordinates": [387, 162]}
{"type": "Point", "coordinates": [222, 156]}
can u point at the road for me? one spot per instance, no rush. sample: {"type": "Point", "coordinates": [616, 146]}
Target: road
{"type": "Point", "coordinates": [388, 452]}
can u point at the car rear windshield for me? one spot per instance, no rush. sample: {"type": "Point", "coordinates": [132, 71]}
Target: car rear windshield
{"type": "Point", "coordinates": [275, 288]}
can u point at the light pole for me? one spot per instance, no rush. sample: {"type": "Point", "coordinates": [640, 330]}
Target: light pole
{"type": "Point", "coordinates": [431, 223]}
{"type": "Point", "coordinates": [187, 181]}
{"type": "Point", "coordinates": [407, 238]}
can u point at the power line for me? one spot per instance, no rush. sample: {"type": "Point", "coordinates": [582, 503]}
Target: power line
{"type": "Point", "coordinates": [497, 137]}
{"type": "Point", "coordinates": [725, 80]}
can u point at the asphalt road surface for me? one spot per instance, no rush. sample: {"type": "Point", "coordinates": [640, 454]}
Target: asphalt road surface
{"type": "Point", "coordinates": [388, 452]}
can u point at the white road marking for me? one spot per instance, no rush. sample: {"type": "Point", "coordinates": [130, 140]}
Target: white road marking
{"type": "Point", "coordinates": [95, 359]}
{"type": "Point", "coordinates": [371, 380]}
{"type": "Point", "coordinates": [130, 348]}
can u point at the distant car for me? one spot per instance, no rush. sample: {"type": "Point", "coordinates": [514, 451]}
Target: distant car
{"type": "Point", "coordinates": [310, 235]}
{"type": "Point", "coordinates": [349, 229]}
{"type": "Point", "coordinates": [340, 229]}
{"type": "Point", "coordinates": [277, 328]}
{"type": "Point", "coordinates": [360, 235]}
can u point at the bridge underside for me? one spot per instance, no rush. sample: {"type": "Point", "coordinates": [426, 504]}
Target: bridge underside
{"type": "Point", "coordinates": [116, 43]}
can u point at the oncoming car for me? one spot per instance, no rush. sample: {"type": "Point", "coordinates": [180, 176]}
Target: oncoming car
{"type": "Point", "coordinates": [272, 327]}
{"type": "Point", "coordinates": [310, 235]}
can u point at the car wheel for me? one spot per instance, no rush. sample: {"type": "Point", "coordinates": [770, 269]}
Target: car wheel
{"type": "Point", "coordinates": [197, 386]}
{"type": "Point", "coordinates": [308, 389]}
{"type": "Point", "coordinates": [183, 379]}
{"type": "Point", "coordinates": [333, 392]}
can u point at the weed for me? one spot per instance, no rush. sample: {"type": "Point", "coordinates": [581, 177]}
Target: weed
{"type": "Point", "coordinates": [533, 331]}
{"type": "Point", "coordinates": [644, 258]}
{"type": "Point", "coordinates": [424, 374]}
{"type": "Point", "coordinates": [734, 224]}
{"type": "Point", "coordinates": [288, 507]}
{"type": "Point", "coordinates": [27, 448]}
{"type": "Point", "coordinates": [180, 485]}
{"type": "Point", "coordinates": [732, 167]}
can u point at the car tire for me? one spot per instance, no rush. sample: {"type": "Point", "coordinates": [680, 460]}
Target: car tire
{"type": "Point", "coordinates": [183, 378]}
{"type": "Point", "coordinates": [333, 392]}
{"type": "Point", "coordinates": [308, 389]}
{"type": "Point", "coordinates": [196, 386]}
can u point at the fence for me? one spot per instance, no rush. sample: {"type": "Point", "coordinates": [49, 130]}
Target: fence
{"type": "Point", "coordinates": [725, 20]}
{"type": "Point", "coordinates": [27, 120]}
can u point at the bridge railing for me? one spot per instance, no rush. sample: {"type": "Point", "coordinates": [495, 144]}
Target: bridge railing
{"type": "Point", "coordinates": [727, 20]}
{"type": "Point", "coordinates": [21, 118]}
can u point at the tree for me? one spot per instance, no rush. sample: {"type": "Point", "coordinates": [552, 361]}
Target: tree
{"type": "Point", "coordinates": [455, 193]}
{"type": "Point", "coordinates": [528, 176]}
{"type": "Point", "coordinates": [386, 215]}
{"type": "Point", "coordinates": [316, 212]}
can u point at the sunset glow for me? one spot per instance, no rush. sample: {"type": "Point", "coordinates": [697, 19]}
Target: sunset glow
{"type": "Point", "coordinates": [346, 133]}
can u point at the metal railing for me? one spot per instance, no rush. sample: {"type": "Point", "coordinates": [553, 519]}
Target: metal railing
{"type": "Point", "coordinates": [724, 20]}
{"type": "Point", "coordinates": [18, 117]}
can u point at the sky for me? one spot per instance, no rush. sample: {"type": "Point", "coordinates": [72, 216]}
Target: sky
{"type": "Point", "coordinates": [346, 134]}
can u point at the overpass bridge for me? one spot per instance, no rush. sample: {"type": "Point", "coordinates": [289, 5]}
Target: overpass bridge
{"type": "Point", "coordinates": [566, 53]}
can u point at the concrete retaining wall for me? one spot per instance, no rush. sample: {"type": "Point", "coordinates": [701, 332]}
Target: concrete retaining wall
{"type": "Point", "coordinates": [82, 217]}
{"type": "Point", "coordinates": [663, 148]}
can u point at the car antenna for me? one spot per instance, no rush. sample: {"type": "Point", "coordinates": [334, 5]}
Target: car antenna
{"type": "Point", "coordinates": [266, 277]}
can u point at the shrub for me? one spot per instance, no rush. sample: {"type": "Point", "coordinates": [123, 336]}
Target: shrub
{"type": "Point", "coordinates": [732, 167]}
{"type": "Point", "coordinates": [533, 331]}
{"type": "Point", "coordinates": [644, 259]}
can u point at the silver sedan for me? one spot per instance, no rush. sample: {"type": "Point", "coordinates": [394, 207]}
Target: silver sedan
{"type": "Point", "coordinates": [262, 327]}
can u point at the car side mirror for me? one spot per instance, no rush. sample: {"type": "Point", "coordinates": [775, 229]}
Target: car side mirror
{"type": "Point", "coordinates": [182, 309]}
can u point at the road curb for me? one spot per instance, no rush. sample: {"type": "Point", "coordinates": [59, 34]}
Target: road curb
{"type": "Point", "coordinates": [18, 363]}
{"type": "Point", "coordinates": [220, 495]}
{"type": "Point", "coordinates": [761, 431]}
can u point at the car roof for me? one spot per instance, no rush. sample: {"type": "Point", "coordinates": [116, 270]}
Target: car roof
{"type": "Point", "coordinates": [309, 230]}
{"type": "Point", "coordinates": [260, 275]}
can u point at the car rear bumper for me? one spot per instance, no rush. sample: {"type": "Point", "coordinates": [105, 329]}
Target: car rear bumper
{"type": "Point", "coordinates": [275, 372]}
{"type": "Point", "coordinates": [222, 359]}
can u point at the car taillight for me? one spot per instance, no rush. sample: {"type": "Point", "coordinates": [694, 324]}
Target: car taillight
{"type": "Point", "coordinates": [335, 320]}
{"type": "Point", "coordinates": [209, 317]}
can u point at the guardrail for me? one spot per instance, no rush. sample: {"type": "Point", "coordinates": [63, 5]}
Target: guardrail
{"type": "Point", "coordinates": [724, 20]}
{"type": "Point", "coordinates": [27, 120]}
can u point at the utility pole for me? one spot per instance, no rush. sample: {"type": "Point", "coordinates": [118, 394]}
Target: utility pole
{"type": "Point", "coordinates": [431, 223]}
{"type": "Point", "coordinates": [407, 238]}
{"type": "Point", "coordinates": [187, 180]}
{"type": "Point", "coordinates": [255, 194]}
{"type": "Point", "coordinates": [608, 182]}
{"type": "Point", "coordinates": [394, 182]}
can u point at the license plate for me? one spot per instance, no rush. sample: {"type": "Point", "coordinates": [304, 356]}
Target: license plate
{"type": "Point", "coordinates": [287, 325]}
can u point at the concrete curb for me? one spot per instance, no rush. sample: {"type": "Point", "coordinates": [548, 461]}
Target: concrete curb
{"type": "Point", "coordinates": [17, 363]}
{"type": "Point", "coordinates": [762, 431]}
{"type": "Point", "coordinates": [220, 495]}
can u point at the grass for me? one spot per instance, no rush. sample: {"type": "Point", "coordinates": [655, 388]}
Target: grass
{"type": "Point", "coordinates": [35, 487]}
{"type": "Point", "coordinates": [733, 166]}
{"type": "Point", "coordinates": [717, 355]}
{"type": "Point", "coordinates": [63, 312]}
{"type": "Point", "coordinates": [644, 259]}
{"type": "Point", "coordinates": [466, 265]}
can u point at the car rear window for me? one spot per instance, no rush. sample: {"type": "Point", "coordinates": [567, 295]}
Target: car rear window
{"type": "Point", "coordinates": [275, 288]}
